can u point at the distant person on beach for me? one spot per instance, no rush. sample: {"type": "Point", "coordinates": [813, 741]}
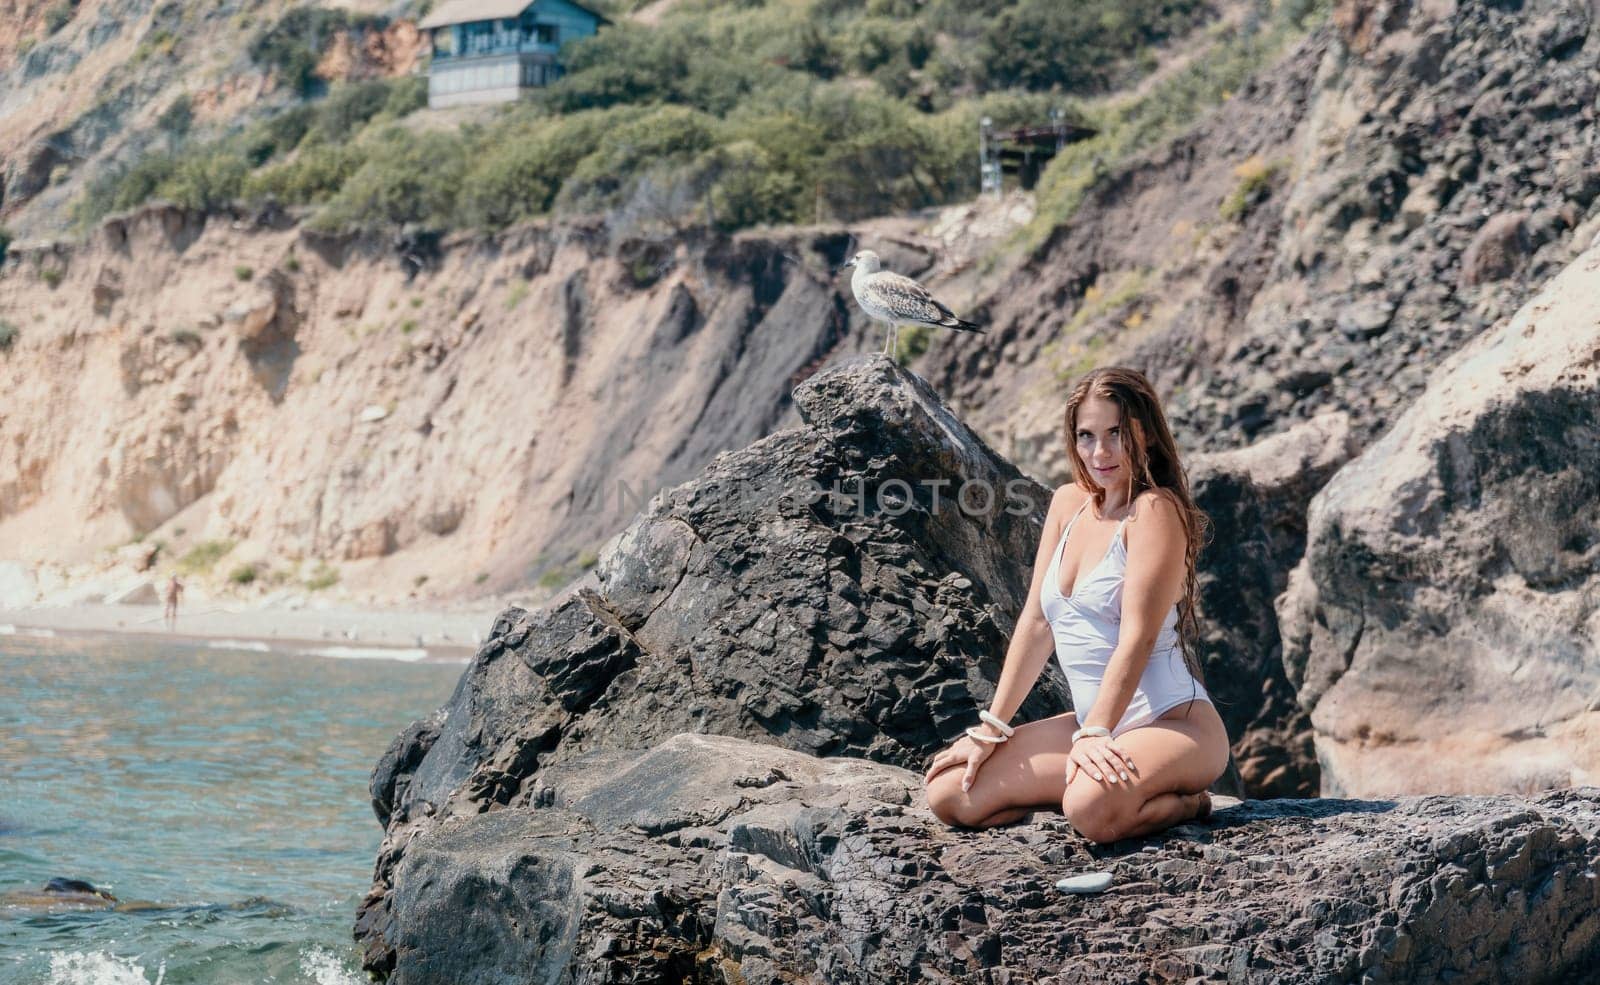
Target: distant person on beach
{"type": "Point", "coordinates": [174, 589]}
{"type": "Point", "coordinates": [1113, 596]}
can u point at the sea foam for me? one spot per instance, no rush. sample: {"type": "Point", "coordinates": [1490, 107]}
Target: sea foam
{"type": "Point", "coordinates": [100, 968]}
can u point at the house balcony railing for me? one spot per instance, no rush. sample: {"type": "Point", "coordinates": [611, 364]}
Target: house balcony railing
{"type": "Point", "coordinates": [482, 50]}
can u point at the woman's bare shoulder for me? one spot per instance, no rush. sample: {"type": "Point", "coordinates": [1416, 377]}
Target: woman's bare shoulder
{"type": "Point", "coordinates": [1069, 495]}
{"type": "Point", "coordinates": [1158, 498]}
{"type": "Point", "coordinates": [1156, 510]}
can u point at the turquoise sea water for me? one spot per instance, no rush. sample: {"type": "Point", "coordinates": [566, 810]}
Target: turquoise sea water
{"type": "Point", "coordinates": [227, 786]}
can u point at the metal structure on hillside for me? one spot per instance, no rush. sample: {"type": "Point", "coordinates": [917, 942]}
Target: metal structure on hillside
{"type": "Point", "coordinates": [1023, 151]}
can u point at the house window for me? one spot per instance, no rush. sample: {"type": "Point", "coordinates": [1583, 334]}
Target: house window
{"type": "Point", "coordinates": [544, 33]}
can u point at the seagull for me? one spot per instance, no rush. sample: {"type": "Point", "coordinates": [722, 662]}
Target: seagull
{"type": "Point", "coordinates": [898, 300]}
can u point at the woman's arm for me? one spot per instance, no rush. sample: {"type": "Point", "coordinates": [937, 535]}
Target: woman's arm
{"type": "Point", "coordinates": [1152, 585]}
{"type": "Point", "coordinates": [1032, 643]}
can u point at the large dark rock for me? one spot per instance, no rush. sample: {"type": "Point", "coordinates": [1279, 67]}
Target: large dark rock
{"type": "Point", "coordinates": [870, 621]}
{"type": "Point", "coordinates": [840, 588]}
{"type": "Point", "coordinates": [715, 860]}
{"type": "Point", "coordinates": [843, 588]}
{"type": "Point", "coordinates": [1442, 627]}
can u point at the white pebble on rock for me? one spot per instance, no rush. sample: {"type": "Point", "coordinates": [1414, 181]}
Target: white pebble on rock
{"type": "Point", "coordinates": [1089, 882]}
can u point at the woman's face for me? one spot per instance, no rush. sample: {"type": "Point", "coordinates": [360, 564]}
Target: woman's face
{"type": "Point", "coordinates": [1099, 439]}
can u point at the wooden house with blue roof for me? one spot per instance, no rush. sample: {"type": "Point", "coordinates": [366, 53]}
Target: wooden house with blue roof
{"type": "Point", "coordinates": [489, 51]}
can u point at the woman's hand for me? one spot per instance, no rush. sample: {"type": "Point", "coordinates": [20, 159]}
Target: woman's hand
{"type": "Point", "coordinates": [1100, 757]}
{"type": "Point", "coordinates": [963, 750]}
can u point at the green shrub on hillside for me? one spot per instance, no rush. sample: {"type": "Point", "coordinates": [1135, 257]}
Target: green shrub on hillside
{"type": "Point", "coordinates": [1127, 127]}
{"type": "Point", "coordinates": [347, 109]}
{"type": "Point", "coordinates": [406, 178]}
{"type": "Point", "coordinates": [277, 134]}
{"type": "Point", "coordinates": [322, 576]}
{"type": "Point", "coordinates": [406, 95]}
{"type": "Point", "coordinates": [206, 179]}
{"type": "Point", "coordinates": [676, 61]}
{"type": "Point", "coordinates": [177, 118]}
{"type": "Point", "coordinates": [113, 191]}
{"type": "Point", "coordinates": [314, 175]}
{"type": "Point", "coordinates": [728, 112]}
{"type": "Point", "coordinates": [747, 189]}
{"type": "Point", "coordinates": [8, 336]}
{"type": "Point", "coordinates": [517, 175]}
{"type": "Point", "coordinates": [661, 141]}
{"type": "Point", "coordinates": [1039, 44]}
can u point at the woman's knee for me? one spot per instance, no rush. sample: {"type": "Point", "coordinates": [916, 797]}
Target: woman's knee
{"type": "Point", "coordinates": [941, 801]}
{"type": "Point", "coordinates": [948, 802]}
{"type": "Point", "coordinates": [1092, 813]}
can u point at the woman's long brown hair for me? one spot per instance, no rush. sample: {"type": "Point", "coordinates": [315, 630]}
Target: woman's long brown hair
{"type": "Point", "coordinates": [1153, 461]}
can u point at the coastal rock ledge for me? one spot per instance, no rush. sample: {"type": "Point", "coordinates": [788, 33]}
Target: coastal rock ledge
{"type": "Point", "coordinates": [710, 859]}
{"type": "Point", "coordinates": [703, 766]}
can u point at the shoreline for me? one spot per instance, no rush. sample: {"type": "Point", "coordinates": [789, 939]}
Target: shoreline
{"type": "Point", "coordinates": [404, 635]}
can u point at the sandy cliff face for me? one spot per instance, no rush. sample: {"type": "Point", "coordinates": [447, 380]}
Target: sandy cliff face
{"type": "Point", "coordinates": [481, 412]}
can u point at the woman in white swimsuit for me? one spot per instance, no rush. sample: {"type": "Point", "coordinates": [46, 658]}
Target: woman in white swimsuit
{"type": "Point", "coordinates": [1113, 597]}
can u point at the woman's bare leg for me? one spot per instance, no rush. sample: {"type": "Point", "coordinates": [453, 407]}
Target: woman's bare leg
{"type": "Point", "coordinates": [1164, 810]}
{"type": "Point", "coordinates": [1176, 758]}
{"type": "Point", "coordinates": [1025, 773]}
{"type": "Point", "coordinates": [1009, 814]}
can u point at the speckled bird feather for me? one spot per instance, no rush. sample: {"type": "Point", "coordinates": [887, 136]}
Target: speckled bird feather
{"type": "Point", "coordinates": [893, 297]}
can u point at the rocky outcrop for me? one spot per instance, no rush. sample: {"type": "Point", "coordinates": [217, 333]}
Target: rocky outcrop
{"type": "Point", "coordinates": [825, 586]}
{"type": "Point", "coordinates": [1442, 626]}
{"type": "Point", "coordinates": [708, 859]}
{"type": "Point", "coordinates": [1420, 169]}
{"type": "Point", "coordinates": [846, 587]}
{"type": "Point", "coordinates": [1445, 172]}
{"type": "Point", "coordinates": [1256, 499]}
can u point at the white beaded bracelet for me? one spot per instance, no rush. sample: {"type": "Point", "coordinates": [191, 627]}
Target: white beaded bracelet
{"type": "Point", "coordinates": [976, 736]}
{"type": "Point", "coordinates": [1088, 730]}
{"type": "Point", "coordinates": [996, 722]}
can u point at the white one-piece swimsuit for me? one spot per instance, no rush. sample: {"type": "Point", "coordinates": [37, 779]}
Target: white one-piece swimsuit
{"type": "Point", "coordinates": [1086, 628]}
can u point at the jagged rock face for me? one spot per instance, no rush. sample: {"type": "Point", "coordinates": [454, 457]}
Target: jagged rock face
{"type": "Point", "coordinates": [846, 587]}
{"type": "Point", "coordinates": [1445, 172]}
{"type": "Point", "coordinates": [1256, 499]}
{"type": "Point", "coordinates": [1442, 627]}
{"type": "Point", "coordinates": [714, 860]}
{"type": "Point", "coordinates": [1428, 166]}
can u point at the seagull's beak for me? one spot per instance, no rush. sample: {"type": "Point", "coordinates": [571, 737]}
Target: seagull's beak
{"type": "Point", "coordinates": [848, 264]}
